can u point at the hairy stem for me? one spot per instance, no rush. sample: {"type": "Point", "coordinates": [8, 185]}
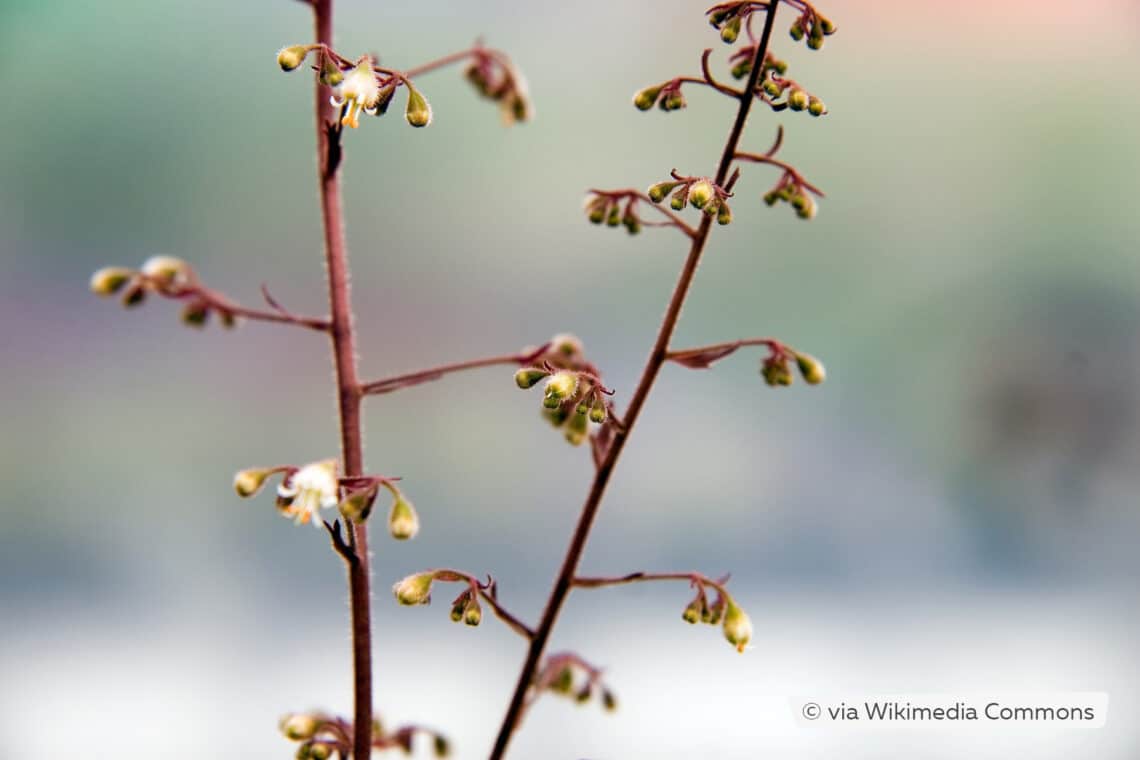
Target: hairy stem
{"type": "Point", "coordinates": [657, 358]}
{"type": "Point", "coordinates": [348, 389]}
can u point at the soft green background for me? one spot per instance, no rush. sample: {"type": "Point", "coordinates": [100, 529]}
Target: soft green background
{"type": "Point", "coordinates": [954, 510]}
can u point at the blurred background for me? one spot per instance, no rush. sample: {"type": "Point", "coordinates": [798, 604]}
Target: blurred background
{"type": "Point", "coordinates": [955, 509]}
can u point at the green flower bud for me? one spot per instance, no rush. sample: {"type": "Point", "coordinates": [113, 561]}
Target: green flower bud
{"type": "Point", "coordinates": [771, 88]}
{"type": "Point", "coordinates": [826, 25]}
{"type": "Point", "coordinates": [110, 280]}
{"type": "Point", "coordinates": [644, 99]}
{"type": "Point", "coordinates": [596, 210]}
{"type": "Point", "coordinates": [227, 319]}
{"type": "Point", "coordinates": [815, 42]}
{"type": "Point", "coordinates": [632, 224]}
{"type": "Point", "coordinates": [583, 407]}
{"type": "Point", "coordinates": [797, 100]}
{"type": "Point", "coordinates": [441, 746]}
{"type": "Point", "coordinates": [459, 606]}
{"type": "Point", "coordinates": [598, 411]}
{"type": "Point", "coordinates": [418, 110]}
{"type": "Point", "coordinates": [741, 69]}
{"type": "Point", "coordinates": [556, 416]}
{"type": "Point", "coordinates": [700, 193]}
{"type": "Point", "coordinates": [577, 430]}
{"type": "Point", "coordinates": [166, 269]}
{"type": "Point", "coordinates": [565, 344]}
{"type": "Point", "coordinates": [299, 726]}
{"type": "Point", "coordinates": [550, 402]}
{"type": "Point", "coordinates": [384, 99]}
{"type": "Point", "coordinates": [816, 106]}
{"type": "Point", "coordinates": [658, 192]}
{"type": "Point", "coordinates": [331, 75]}
{"type": "Point", "coordinates": [247, 483]}
{"type": "Point", "coordinates": [563, 682]}
{"type": "Point", "coordinates": [609, 701]}
{"type": "Point", "coordinates": [797, 31]}
{"type": "Point", "coordinates": [614, 217]}
{"type": "Point", "coordinates": [679, 199]}
{"type": "Point", "coordinates": [195, 313]}
{"type": "Point", "coordinates": [473, 614]}
{"type": "Point", "coordinates": [415, 589]}
{"type": "Point", "coordinates": [776, 372]}
{"type": "Point", "coordinates": [674, 101]}
{"type": "Point", "coordinates": [771, 197]}
{"type": "Point", "coordinates": [737, 626]}
{"type": "Point", "coordinates": [528, 377]}
{"type": "Point", "coordinates": [583, 694]}
{"type": "Point", "coordinates": [562, 385]}
{"type": "Point", "coordinates": [289, 58]}
{"type": "Point", "coordinates": [134, 295]}
{"type": "Point", "coordinates": [724, 214]}
{"type": "Point", "coordinates": [320, 751]}
{"type": "Point", "coordinates": [403, 523]}
{"type": "Point", "coordinates": [731, 30]}
{"type": "Point", "coordinates": [357, 505]}
{"type": "Point", "coordinates": [716, 18]}
{"type": "Point", "coordinates": [780, 66]}
{"type": "Point", "coordinates": [811, 369]}
{"type": "Point", "coordinates": [805, 208]}
{"type": "Point", "coordinates": [692, 613]}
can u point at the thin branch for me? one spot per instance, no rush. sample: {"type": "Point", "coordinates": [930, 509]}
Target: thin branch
{"type": "Point", "coordinates": [702, 356]}
{"type": "Point", "coordinates": [629, 192]}
{"type": "Point", "coordinates": [762, 158]}
{"type": "Point", "coordinates": [389, 384]}
{"type": "Point", "coordinates": [195, 290]}
{"type": "Point", "coordinates": [512, 622]}
{"type": "Point", "coordinates": [657, 358]}
{"type": "Point", "coordinates": [339, 544]}
{"type": "Point", "coordinates": [640, 577]}
{"type": "Point", "coordinates": [711, 80]}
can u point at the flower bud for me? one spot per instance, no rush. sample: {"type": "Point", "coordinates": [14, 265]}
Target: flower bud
{"type": "Point", "coordinates": [613, 219]}
{"type": "Point", "coordinates": [459, 606]}
{"type": "Point", "coordinates": [811, 369]}
{"type": "Point", "coordinates": [403, 523]}
{"type": "Point", "coordinates": [566, 344]}
{"type": "Point", "coordinates": [562, 385]}
{"type": "Point", "coordinates": [418, 110]}
{"type": "Point", "coordinates": [331, 75]}
{"type": "Point", "coordinates": [724, 214]}
{"type": "Point", "coordinates": [779, 65]}
{"type": "Point", "coordinates": [644, 99]}
{"type": "Point", "coordinates": [528, 377]}
{"type": "Point", "coordinates": [165, 269]}
{"type": "Point", "coordinates": [797, 100]}
{"type": "Point", "coordinates": [289, 58]}
{"type": "Point", "coordinates": [804, 206]}
{"type": "Point", "coordinates": [357, 506]}
{"type": "Point", "coordinates": [227, 318]}
{"type": "Point", "coordinates": [741, 69]}
{"type": "Point", "coordinates": [816, 106]}
{"type": "Point", "coordinates": [771, 88]}
{"type": "Point", "coordinates": [731, 30]}
{"type": "Point", "coordinates": [712, 207]}
{"type": "Point", "coordinates": [299, 726]}
{"type": "Point", "coordinates": [771, 197]}
{"type": "Point", "coordinates": [596, 210]}
{"type": "Point", "coordinates": [563, 682]}
{"type": "Point", "coordinates": [598, 411]}
{"type": "Point", "coordinates": [692, 613]}
{"type": "Point", "coordinates": [609, 701]}
{"type": "Point", "coordinates": [679, 199]}
{"type": "Point", "coordinates": [195, 313]}
{"type": "Point", "coordinates": [737, 626]}
{"type": "Point", "coordinates": [415, 589]}
{"type": "Point", "coordinates": [577, 430]}
{"type": "Point", "coordinates": [776, 372]}
{"type": "Point", "coordinates": [550, 402]}
{"type": "Point", "coordinates": [384, 99]}
{"type": "Point", "coordinates": [717, 17]}
{"type": "Point", "coordinates": [826, 25]}
{"type": "Point", "coordinates": [110, 280]}
{"type": "Point", "coordinates": [583, 694]}
{"type": "Point", "coordinates": [673, 101]}
{"type": "Point", "coordinates": [815, 42]}
{"type": "Point", "coordinates": [441, 746]}
{"type": "Point", "coordinates": [248, 482]}
{"type": "Point", "coordinates": [632, 224]}
{"type": "Point", "coordinates": [134, 295]}
{"type": "Point", "coordinates": [658, 192]}
{"type": "Point", "coordinates": [797, 30]}
{"type": "Point", "coordinates": [700, 193]}
{"type": "Point", "coordinates": [555, 415]}
{"type": "Point", "coordinates": [473, 614]}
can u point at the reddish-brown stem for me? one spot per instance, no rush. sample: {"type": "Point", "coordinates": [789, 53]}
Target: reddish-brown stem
{"type": "Point", "coordinates": [348, 388]}
{"type": "Point", "coordinates": [629, 192]}
{"type": "Point", "coordinates": [657, 358]}
{"type": "Point", "coordinates": [761, 158]}
{"type": "Point", "coordinates": [720, 350]}
{"type": "Point", "coordinates": [439, 63]}
{"type": "Point", "coordinates": [389, 384]}
{"type": "Point", "coordinates": [694, 578]}
{"type": "Point", "coordinates": [512, 622]}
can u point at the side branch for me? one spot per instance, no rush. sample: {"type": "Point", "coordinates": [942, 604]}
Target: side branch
{"type": "Point", "coordinates": [703, 356]}
{"type": "Point", "coordinates": [694, 579]}
{"type": "Point", "coordinates": [389, 384]}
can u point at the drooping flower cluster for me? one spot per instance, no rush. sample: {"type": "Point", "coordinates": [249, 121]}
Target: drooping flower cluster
{"type": "Point", "coordinates": [792, 189]}
{"type": "Point", "coordinates": [165, 276]}
{"type": "Point", "coordinates": [494, 77]}
{"type": "Point", "coordinates": [722, 610]}
{"type": "Point", "coordinates": [573, 393]}
{"type": "Point", "coordinates": [416, 588]}
{"type": "Point", "coordinates": [730, 18]}
{"type": "Point", "coordinates": [699, 192]}
{"type": "Point", "coordinates": [776, 370]}
{"type": "Point", "coordinates": [304, 491]}
{"type": "Point", "coordinates": [667, 96]}
{"type": "Point", "coordinates": [321, 736]}
{"type": "Point", "coordinates": [569, 675]}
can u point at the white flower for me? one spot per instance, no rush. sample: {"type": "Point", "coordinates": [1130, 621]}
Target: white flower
{"type": "Point", "coordinates": [359, 91]}
{"type": "Point", "coordinates": [308, 490]}
{"type": "Point", "coordinates": [737, 627]}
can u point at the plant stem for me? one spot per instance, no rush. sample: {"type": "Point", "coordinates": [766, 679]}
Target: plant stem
{"type": "Point", "coordinates": [657, 358]}
{"type": "Point", "coordinates": [348, 389]}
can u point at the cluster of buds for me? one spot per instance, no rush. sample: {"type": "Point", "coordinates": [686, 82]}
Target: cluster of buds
{"type": "Point", "coordinates": [358, 86]}
{"type": "Point", "coordinates": [699, 192]}
{"type": "Point", "coordinates": [416, 589]}
{"type": "Point", "coordinates": [797, 98]}
{"type": "Point", "coordinates": [168, 277]}
{"type": "Point", "coordinates": [569, 675]}
{"type": "Point", "coordinates": [741, 62]}
{"type": "Point", "coordinates": [792, 189]}
{"type": "Point", "coordinates": [722, 611]}
{"type": "Point", "coordinates": [776, 367]}
{"type": "Point", "coordinates": [812, 25]}
{"type": "Point", "coordinates": [573, 393]}
{"type": "Point", "coordinates": [494, 77]}
{"type": "Point", "coordinates": [321, 736]}
{"type": "Point", "coordinates": [614, 209]}
{"type": "Point", "coordinates": [304, 491]}
{"type": "Point", "coordinates": [667, 96]}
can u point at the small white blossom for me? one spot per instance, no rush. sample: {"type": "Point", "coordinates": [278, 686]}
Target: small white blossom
{"type": "Point", "coordinates": [310, 489]}
{"type": "Point", "coordinates": [359, 91]}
